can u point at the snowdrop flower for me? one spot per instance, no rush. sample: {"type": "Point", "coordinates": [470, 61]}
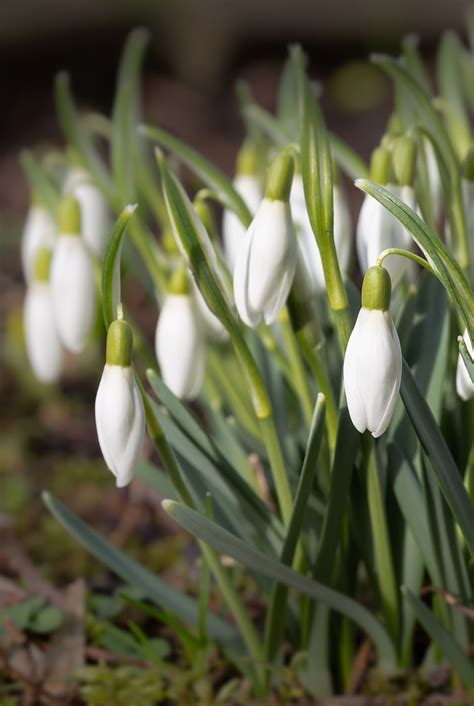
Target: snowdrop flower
{"type": "Point", "coordinates": [373, 360]}
{"type": "Point", "coordinates": [179, 340]}
{"type": "Point", "coordinates": [266, 262]}
{"type": "Point", "coordinates": [39, 232]}
{"type": "Point", "coordinates": [464, 384]}
{"type": "Point", "coordinates": [341, 227]}
{"type": "Point", "coordinates": [72, 281]}
{"type": "Point", "coordinates": [248, 186]}
{"type": "Point", "coordinates": [43, 346]}
{"type": "Point", "coordinates": [119, 413]}
{"type": "Point", "coordinates": [95, 216]}
{"type": "Point", "coordinates": [377, 229]}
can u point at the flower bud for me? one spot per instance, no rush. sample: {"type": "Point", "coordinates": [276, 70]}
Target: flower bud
{"type": "Point", "coordinates": [43, 346]}
{"type": "Point", "coordinates": [72, 281]}
{"type": "Point", "coordinates": [404, 160]}
{"type": "Point", "coordinates": [179, 341]}
{"type": "Point", "coordinates": [119, 413]}
{"type": "Point", "coordinates": [248, 185]}
{"type": "Point", "coordinates": [464, 384]}
{"type": "Point", "coordinates": [95, 216]}
{"type": "Point", "coordinates": [266, 262]}
{"type": "Point", "coordinates": [39, 232]}
{"type": "Point", "coordinates": [373, 360]}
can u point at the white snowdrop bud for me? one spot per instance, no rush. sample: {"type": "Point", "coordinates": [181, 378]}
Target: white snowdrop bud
{"type": "Point", "coordinates": [377, 229]}
{"type": "Point", "coordinates": [373, 360]}
{"type": "Point", "coordinates": [341, 228]}
{"type": "Point", "coordinates": [119, 413]}
{"type": "Point", "coordinates": [248, 185]}
{"type": "Point", "coordinates": [72, 281]}
{"type": "Point", "coordinates": [464, 384]}
{"type": "Point", "coordinates": [179, 341]}
{"type": "Point", "coordinates": [39, 232]}
{"type": "Point", "coordinates": [266, 262]}
{"type": "Point", "coordinates": [43, 346]}
{"type": "Point", "coordinates": [95, 215]}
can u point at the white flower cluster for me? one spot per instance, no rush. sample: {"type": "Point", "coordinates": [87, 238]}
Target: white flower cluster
{"type": "Point", "coordinates": [57, 259]}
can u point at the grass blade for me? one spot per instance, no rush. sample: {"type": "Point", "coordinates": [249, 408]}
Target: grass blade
{"type": "Point", "coordinates": [226, 543]}
{"type": "Point", "coordinates": [132, 572]}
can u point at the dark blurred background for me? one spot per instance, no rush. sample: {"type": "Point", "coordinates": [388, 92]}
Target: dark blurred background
{"type": "Point", "coordinates": [199, 48]}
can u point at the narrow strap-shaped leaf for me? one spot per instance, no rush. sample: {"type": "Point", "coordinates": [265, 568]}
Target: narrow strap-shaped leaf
{"type": "Point", "coordinates": [341, 473]}
{"type": "Point", "coordinates": [437, 451]}
{"type": "Point", "coordinates": [275, 623]}
{"type": "Point", "coordinates": [125, 114]}
{"type": "Point", "coordinates": [132, 572]}
{"type": "Point", "coordinates": [422, 100]}
{"type": "Point", "coordinates": [181, 414]}
{"type": "Point", "coordinates": [77, 136]}
{"type": "Point", "coordinates": [111, 267]}
{"type": "Point", "coordinates": [450, 81]}
{"type": "Point", "coordinates": [345, 156]}
{"type": "Point", "coordinates": [447, 269]}
{"type": "Point", "coordinates": [226, 543]}
{"type": "Point", "coordinates": [205, 170]}
{"type": "Point", "coordinates": [443, 638]}
{"type": "Point", "coordinates": [40, 183]}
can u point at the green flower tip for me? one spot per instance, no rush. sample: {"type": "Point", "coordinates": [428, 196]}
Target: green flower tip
{"type": "Point", "coordinates": [169, 242]}
{"type": "Point", "coordinates": [468, 165]}
{"type": "Point", "coordinates": [119, 344]}
{"type": "Point", "coordinates": [404, 160]}
{"type": "Point", "coordinates": [376, 289]}
{"type": "Point", "coordinates": [69, 216]}
{"type": "Point", "coordinates": [280, 176]}
{"type": "Point", "coordinates": [179, 281]}
{"type": "Point", "coordinates": [42, 264]}
{"type": "Point", "coordinates": [379, 165]}
{"type": "Point", "coordinates": [168, 505]}
{"type": "Point", "coordinates": [247, 159]}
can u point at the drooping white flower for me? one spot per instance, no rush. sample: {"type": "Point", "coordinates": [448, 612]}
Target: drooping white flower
{"type": "Point", "coordinates": [180, 346]}
{"type": "Point", "coordinates": [43, 346]}
{"type": "Point", "coordinates": [341, 226]}
{"type": "Point", "coordinates": [233, 231]}
{"type": "Point", "coordinates": [95, 215]}
{"type": "Point", "coordinates": [378, 230]}
{"type": "Point", "coordinates": [373, 359]}
{"type": "Point", "coordinates": [39, 232]}
{"type": "Point", "coordinates": [72, 282]}
{"type": "Point", "coordinates": [266, 264]}
{"type": "Point", "coordinates": [119, 413]}
{"type": "Point", "coordinates": [464, 384]}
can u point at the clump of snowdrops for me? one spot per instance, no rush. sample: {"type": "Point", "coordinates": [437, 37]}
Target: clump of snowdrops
{"type": "Point", "coordinates": [332, 455]}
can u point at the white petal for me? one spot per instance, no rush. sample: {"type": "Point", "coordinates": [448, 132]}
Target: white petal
{"type": "Point", "coordinates": [95, 216]}
{"type": "Point", "coordinates": [179, 346]}
{"type": "Point", "coordinates": [43, 346]}
{"type": "Point", "coordinates": [354, 399]}
{"type": "Point", "coordinates": [266, 263]}
{"type": "Point", "coordinates": [342, 229]}
{"type": "Point", "coordinates": [464, 384]}
{"type": "Point", "coordinates": [120, 421]}
{"type": "Point", "coordinates": [372, 371]}
{"type": "Point", "coordinates": [39, 232]}
{"type": "Point", "coordinates": [73, 291]}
